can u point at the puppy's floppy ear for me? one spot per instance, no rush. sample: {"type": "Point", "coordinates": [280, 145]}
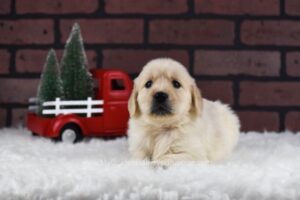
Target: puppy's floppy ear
{"type": "Point", "coordinates": [133, 106]}
{"type": "Point", "coordinates": [196, 103]}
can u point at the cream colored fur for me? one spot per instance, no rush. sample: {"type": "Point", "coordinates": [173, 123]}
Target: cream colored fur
{"type": "Point", "coordinates": [197, 130]}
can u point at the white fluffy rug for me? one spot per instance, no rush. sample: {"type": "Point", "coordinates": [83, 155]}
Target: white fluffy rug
{"type": "Point", "coordinates": [263, 166]}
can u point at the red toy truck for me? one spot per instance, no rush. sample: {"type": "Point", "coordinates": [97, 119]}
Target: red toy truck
{"type": "Point", "coordinates": [112, 91]}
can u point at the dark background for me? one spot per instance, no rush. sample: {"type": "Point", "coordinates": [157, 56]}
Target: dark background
{"type": "Point", "coordinates": [245, 53]}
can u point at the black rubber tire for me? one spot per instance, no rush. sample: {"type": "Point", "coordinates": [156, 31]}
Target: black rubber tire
{"type": "Point", "coordinates": [34, 134]}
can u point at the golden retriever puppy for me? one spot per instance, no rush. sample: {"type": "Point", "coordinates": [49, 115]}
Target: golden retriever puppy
{"type": "Point", "coordinates": [171, 122]}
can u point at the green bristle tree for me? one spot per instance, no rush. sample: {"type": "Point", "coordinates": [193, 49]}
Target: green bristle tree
{"type": "Point", "coordinates": [76, 79]}
{"type": "Point", "coordinates": [50, 84]}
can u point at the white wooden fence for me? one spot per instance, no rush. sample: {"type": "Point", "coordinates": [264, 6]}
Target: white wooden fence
{"type": "Point", "coordinates": [33, 104]}
{"type": "Point", "coordinates": [61, 107]}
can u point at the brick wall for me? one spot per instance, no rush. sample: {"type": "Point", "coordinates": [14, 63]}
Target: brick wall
{"type": "Point", "coordinates": [245, 53]}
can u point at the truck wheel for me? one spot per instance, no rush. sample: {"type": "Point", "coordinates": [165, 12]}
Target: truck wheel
{"type": "Point", "coordinates": [34, 134]}
{"type": "Point", "coordinates": [70, 134]}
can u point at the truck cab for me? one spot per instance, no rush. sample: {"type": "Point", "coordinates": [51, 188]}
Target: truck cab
{"type": "Point", "coordinates": [113, 87]}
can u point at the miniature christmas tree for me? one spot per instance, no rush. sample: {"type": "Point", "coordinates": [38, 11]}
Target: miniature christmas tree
{"type": "Point", "coordinates": [50, 85]}
{"type": "Point", "coordinates": [77, 81]}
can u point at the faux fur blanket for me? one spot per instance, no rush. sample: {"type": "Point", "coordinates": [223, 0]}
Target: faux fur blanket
{"type": "Point", "coordinates": [263, 166]}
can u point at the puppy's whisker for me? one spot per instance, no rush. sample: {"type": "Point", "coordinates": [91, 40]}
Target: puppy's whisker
{"type": "Point", "coordinates": [161, 109]}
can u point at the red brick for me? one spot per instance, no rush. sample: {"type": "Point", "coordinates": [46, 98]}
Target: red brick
{"type": "Point", "coordinates": [293, 63]}
{"type": "Point", "coordinates": [271, 32]}
{"type": "Point", "coordinates": [292, 121]}
{"type": "Point", "coordinates": [4, 64]}
{"type": "Point", "coordinates": [5, 6]}
{"type": "Point", "coordinates": [217, 90]}
{"type": "Point", "coordinates": [146, 7]}
{"type": "Point", "coordinates": [238, 7]}
{"type": "Point", "coordinates": [133, 60]}
{"type": "Point", "coordinates": [28, 60]}
{"type": "Point", "coordinates": [13, 90]}
{"type": "Point", "coordinates": [255, 63]}
{"type": "Point", "coordinates": [26, 31]}
{"type": "Point", "coordinates": [128, 31]}
{"type": "Point", "coordinates": [193, 32]}
{"type": "Point", "coordinates": [19, 117]}
{"type": "Point", "coordinates": [270, 93]}
{"type": "Point", "coordinates": [292, 7]}
{"type": "Point", "coordinates": [56, 6]}
{"type": "Point", "coordinates": [259, 121]}
{"type": "Point", "coordinates": [2, 117]}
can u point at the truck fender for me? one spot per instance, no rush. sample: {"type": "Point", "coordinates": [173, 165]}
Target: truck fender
{"type": "Point", "coordinates": [63, 120]}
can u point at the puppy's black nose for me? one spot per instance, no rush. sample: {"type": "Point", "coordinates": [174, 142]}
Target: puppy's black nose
{"type": "Point", "coordinates": [161, 97]}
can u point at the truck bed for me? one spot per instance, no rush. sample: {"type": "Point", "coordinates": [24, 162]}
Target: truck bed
{"type": "Point", "coordinates": [39, 125]}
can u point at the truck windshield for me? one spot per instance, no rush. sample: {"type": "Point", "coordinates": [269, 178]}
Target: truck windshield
{"type": "Point", "coordinates": [95, 83]}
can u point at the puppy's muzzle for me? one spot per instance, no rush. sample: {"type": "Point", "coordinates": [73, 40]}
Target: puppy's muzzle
{"type": "Point", "coordinates": [160, 105]}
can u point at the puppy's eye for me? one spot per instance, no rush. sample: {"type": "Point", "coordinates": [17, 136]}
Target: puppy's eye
{"type": "Point", "coordinates": [148, 84]}
{"type": "Point", "coordinates": [176, 84]}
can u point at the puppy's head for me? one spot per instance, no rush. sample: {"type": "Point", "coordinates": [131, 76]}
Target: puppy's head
{"type": "Point", "coordinates": [164, 91]}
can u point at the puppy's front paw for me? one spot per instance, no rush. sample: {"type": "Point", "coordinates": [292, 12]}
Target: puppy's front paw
{"type": "Point", "coordinates": [162, 164]}
{"type": "Point", "coordinates": [139, 155]}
